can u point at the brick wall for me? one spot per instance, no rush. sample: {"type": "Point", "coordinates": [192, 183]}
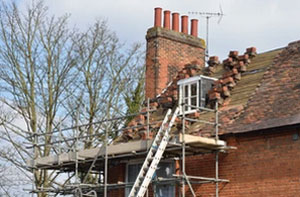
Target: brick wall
{"type": "Point", "coordinates": [265, 164]}
{"type": "Point", "coordinates": [167, 53]}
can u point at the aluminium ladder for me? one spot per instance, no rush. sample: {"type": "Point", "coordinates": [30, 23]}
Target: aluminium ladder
{"type": "Point", "coordinates": [154, 156]}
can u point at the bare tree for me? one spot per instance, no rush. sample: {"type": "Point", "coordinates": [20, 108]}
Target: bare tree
{"type": "Point", "coordinates": [36, 60]}
{"type": "Point", "coordinates": [50, 73]}
{"type": "Point", "coordinates": [106, 72]}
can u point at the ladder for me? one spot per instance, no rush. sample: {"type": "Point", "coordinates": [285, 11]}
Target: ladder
{"type": "Point", "coordinates": [153, 157]}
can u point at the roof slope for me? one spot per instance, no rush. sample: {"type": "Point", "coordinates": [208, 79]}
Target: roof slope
{"type": "Point", "coordinates": [277, 100]}
{"type": "Point", "coordinates": [251, 78]}
{"type": "Point", "coordinates": [240, 94]}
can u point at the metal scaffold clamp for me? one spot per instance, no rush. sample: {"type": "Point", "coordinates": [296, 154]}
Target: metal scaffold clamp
{"type": "Point", "coordinates": [78, 193]}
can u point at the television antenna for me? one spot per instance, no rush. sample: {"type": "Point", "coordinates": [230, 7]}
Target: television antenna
{"type": "Point", "coordinates": [209, 15]}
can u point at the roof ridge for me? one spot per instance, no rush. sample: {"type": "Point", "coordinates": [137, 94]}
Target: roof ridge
{"type": "Point", "coordinates": [272, 50]}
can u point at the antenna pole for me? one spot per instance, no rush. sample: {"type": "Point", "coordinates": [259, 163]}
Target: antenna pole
{"type": "Point", "coordinates": [208, 15]}
{"type": "Point", "coordinates": [207, 29]}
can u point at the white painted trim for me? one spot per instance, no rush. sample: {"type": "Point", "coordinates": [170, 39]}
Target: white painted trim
{"type": "Point", "coordinates": [189, 80]}
{"type": "Point", "coordinates": [194, 78]}
{"type": "Point", "coordinates": [206, 77]}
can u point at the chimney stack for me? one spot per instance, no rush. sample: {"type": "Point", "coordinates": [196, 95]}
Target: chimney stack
{"type": "Point", "coordinates": [175, 22]}
{"type": "Point", "coordinates": [167, 19]}
{"type": "Point", "coordinates": [157, 17]}
{"type": "Point", "coordinates": [184, 24]}
{"type": "Point", "coordinates": [194, 27]}
{"type": "Point", "coordinates": [169, 49]}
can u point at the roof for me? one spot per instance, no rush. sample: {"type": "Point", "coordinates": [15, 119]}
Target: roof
{"type": "Point", "coordinates": [276, 100]}
{"type": "Point", "coordinates": [255, 91]}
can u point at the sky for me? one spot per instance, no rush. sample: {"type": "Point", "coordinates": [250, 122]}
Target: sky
{"type": "Point", "coordinates": [265, 24]}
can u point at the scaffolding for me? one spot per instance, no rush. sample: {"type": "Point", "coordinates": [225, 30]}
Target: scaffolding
{"type": "Point", "coordinates": [96, 161]}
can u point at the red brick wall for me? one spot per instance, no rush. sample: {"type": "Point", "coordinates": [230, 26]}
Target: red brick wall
{"type": "Point", "coordinates": [265, 164]}
{"type": "Point", "coordinates": [167, 53]}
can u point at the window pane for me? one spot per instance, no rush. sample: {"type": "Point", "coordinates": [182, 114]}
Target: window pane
{"type": "Point", "coordinates": [194, 101]}
{"type": "Point", "coordinates": [206, 86]}
{"type": "Point", "coordinates": [132, 172]}
{"type": "Point", "coordinates": [165, 191]}
{"type": "Point", "coordinates": [186, 91]}
{"type": "Point", "coordinates": [165, 170]}
{"type": "Point", "coordinates": [194, 89]}
{"type": "Point", "coordinates": [186, 101]}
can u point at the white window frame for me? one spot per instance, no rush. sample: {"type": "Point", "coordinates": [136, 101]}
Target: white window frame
{"type": "Point", "coordinates": [187, 96]}
{"type": "Point", "coordinates": [188, 82]}
{"type": "Point", "coordinates": [140, 162]}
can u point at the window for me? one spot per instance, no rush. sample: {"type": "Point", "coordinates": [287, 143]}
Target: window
{"type": "Point", "coordinates": [190, 92]}
{"type": "Point", "coordinates": [164, 170]}
{"type": "Point", "coordinates": [194, 92]}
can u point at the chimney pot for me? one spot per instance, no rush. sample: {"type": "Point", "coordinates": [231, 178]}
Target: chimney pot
{"type": "Point", "coordinates": [175, 22]}
{"type": "Point", "coordinates": [167, 19]}
{"type": "Point", "coordinates": [157, 17]}
{"type": "Point", "coordinates": [194, 27]}
{"type": "Point", "coordinates": [184, 24]}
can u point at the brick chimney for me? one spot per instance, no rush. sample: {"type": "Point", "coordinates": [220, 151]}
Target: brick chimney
{"type": "Point", "coordinates": [168, 50]}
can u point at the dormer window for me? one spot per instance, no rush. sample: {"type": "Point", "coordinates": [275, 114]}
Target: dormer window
{"type": "Point", "coordinates": [193, 91]}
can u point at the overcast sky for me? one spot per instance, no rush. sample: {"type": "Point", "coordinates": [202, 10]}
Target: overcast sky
{"type": "Point", "coordinates": [265, 24]}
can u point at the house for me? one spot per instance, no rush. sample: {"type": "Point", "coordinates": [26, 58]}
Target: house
{"type": "Point", "coordinates": [251, 149]}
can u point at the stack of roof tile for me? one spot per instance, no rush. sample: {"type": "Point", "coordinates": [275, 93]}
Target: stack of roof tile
{"type": "Point", "coordinates": [234, 66]}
